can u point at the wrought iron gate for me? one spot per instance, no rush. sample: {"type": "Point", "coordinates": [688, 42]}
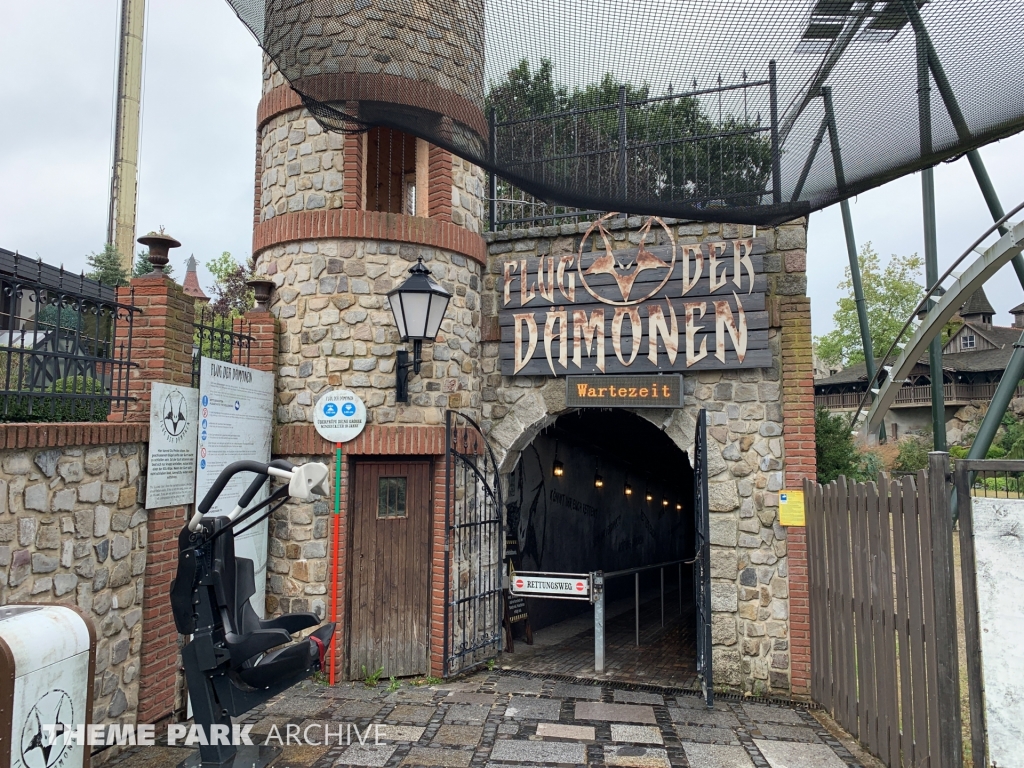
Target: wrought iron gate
{"type": "Point", "coordinates": [702, 557]}
{"type": "Point", "coordinates": [474, 547]}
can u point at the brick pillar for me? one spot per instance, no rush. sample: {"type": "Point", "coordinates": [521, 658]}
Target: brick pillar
{"type": "Point", "coordinates": [161, 339]}
{"type": "Point", "coordinates": [352, 189]}
{"type": "Point", "coordinates": [798, 436]}
{"type": "Point", "coordinates": [262, 326]}
{"type": "Point", "coordinates": [439, 188]}
{"type": "Point", "coordinates": [162, 346]}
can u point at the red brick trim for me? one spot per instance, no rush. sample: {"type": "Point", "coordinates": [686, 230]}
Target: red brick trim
{"type": "Point", "coordinates": [263, 328]}
{"type": "Point", "coordinates": [439, 188]}
{"type": "Point", "coordinates": [798, 437]}
{"type": "Point", "coordinates": [257, 195]}
{"type": "Point", "coordinates": [354, 172]}
{"type": "Point", "coordinates": [375, 440]}
{"type": "Point", "coordinates": [365, 87]}
{"type": "Point", "coordinates": [369, 225]}
{"type": "Point", "coordinates": [38, 435]}
{"type": "Point", "coordinates": [159, 660]}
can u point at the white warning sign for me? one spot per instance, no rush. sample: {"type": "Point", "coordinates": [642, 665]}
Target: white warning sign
{"type": "Point", "coordinates": [571, 585]}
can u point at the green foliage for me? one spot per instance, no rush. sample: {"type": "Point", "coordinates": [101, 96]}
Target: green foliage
{"type": "Point", "coordinates": [958, 451]}
{"type": "Point", "coordinates": [105, 266]}
{"type": "Point", "coordinates": [912, 455]}
{"type": "Point", "coordinates": [230, 293]}
{"type": "Point", "coordinates": [834, 447]}
{"type": "Point", "coordinates": [394, 685]}
{"type": "Point", "coordinates": [742, 160]}
{"type": "Point", "coordinates": [491, 664]}
{"type": "Point", "coordinates": [869, 467]}
{"type": "Point", "coordinates": [1011, 441]}
{"type": "Point", "coordinates": [143, 267]}
{"type": "Point", "coordinates": [370, 679]}
{"type": "Point", "coordinates": [38, 407]}
{"type": "Point", "coordinates": [891, 296]}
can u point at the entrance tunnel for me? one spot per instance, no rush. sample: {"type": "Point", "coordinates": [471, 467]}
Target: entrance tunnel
{"type": "Point", "coordinates": [606, 491]}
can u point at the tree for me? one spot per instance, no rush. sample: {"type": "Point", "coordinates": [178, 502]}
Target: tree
{"type": "Point", "coordinates": [105, 267]}
{"type": "Point", "coordinates": [834, 447]}
{"type": "Point", "coordinates": [891, 296]}
{"type": "Point", "coordinates": [231, 294]}
{"type": "Point", "coordinates": [143, 267]}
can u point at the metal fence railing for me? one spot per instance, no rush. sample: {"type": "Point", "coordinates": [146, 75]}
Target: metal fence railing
{"type": "Point", "coordinates": [65, 344]}
{"type": "Point", "coordinates": [221, 337]}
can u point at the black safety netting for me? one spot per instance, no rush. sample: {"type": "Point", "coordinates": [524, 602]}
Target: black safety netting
{"type": "Point", "coordinates": [703, 109]}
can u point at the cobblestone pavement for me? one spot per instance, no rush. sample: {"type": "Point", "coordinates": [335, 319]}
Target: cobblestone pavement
{"type": "Point", "coordinates": [509, 720]}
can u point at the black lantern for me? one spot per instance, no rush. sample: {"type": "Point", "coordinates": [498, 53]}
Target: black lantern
{"type": "Point", "coordinates": [418, 305]}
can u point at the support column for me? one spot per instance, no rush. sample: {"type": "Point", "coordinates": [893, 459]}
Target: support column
{"type": "Point", "coordinates": [851, 243]}
{"type": "Point", "coordinates": [931, 256]}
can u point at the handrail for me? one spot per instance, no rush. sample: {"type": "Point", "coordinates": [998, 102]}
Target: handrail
{"type": "Point", "coordinates": [627, 571]}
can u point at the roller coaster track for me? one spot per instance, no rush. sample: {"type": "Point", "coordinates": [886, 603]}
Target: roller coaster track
{"type": "Point", "coordinates": [898, 367]}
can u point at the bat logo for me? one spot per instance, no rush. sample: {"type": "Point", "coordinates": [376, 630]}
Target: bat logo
{"type": "Point", "coordinates": [43, 747]}
{"type": "Point", "coordinates": [625, 270]}
{"type": "Point", "coordinates": [175, 414]}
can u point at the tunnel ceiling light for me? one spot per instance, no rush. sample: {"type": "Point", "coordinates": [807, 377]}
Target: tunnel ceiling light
{"type": "Point", "coordinates": [664, 502]}
{"type": "Point", "coordinates": [598, 481]}
{"type": "Point", "coordinates": [679, 507]}
{"type": "Point", "coordinates": [628, 489]}
{"type": "Point", "coordinates": [557, 469]}
{"type": "Point", "coordinates": [649, 496]}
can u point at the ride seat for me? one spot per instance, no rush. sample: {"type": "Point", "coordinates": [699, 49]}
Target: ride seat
{"type": "Point", "coordinates": [255, 653]}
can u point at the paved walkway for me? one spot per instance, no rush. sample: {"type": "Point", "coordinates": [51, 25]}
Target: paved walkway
{"type": "Point", "coordinates": [666, 655]}
{"type": "Point", "coordinates": [505, 720]}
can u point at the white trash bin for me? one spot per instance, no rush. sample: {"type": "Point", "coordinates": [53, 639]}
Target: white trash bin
{"type": "Point", "coordinates": [47, 666]}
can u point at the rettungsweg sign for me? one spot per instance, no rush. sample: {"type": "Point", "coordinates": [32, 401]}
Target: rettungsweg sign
{"type": "Point", "coordinates": [566, 585]}
{"type": "Point", "coordinates": [659, 308]}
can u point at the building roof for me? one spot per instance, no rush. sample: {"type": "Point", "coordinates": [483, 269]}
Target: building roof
{"type": "Point", "coordinates": [975, 361]}
{"type": "Point", "coordinates": [977, 304]}
{"type": "Point", "coordinates": [191, 283]}
{"type": "Point", "coordinates": [1018, 310]}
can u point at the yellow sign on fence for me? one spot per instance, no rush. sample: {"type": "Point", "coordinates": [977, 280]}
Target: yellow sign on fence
{"type": "Point", "coordinates": [791, 508]}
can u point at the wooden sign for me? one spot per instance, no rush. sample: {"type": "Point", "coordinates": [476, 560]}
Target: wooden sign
{"type": "Point", "coordinates": [637, 310]}
{"type": "Point", "coordinates": [659, 390]}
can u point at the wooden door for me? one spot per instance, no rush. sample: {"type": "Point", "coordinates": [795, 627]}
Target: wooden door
{"type": "Point", "coordinates": [390, 568]}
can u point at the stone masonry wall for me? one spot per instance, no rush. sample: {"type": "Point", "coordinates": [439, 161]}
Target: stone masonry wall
{"type": "Point", "coordinates": [338, 331]}
{"type": "Point", "coordinates": [749, 559]}
{"type": "Point", "coordinates": [72, 531]}
{"type": "Point", "coordinates": [468, 193]}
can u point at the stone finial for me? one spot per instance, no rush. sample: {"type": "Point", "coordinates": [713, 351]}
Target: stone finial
{"type": "Point", "coordinates": [159, 245]}
{"type": "Point", "coordinates": [262, 290]}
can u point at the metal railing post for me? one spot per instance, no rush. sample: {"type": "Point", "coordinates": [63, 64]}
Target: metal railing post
{"type": "Point", "coordinates": [680, 589]}
{"type": "Point", "coordinates": [636, 583]}
{"type": "Point", "coordinates": [492, 152]}
{"type": "Point", "coordinates": [776, 150]}
{"type": "Point", "coordinates": [662, 572]}
{"type": "Point", "coordinates": [597, 595]}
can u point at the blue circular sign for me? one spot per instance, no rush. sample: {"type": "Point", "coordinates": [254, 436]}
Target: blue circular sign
{"type": "Point", "coordinates": [347, 409]}
{"type": "Point", "coordinates": [237, 405]}
{"type": "Point", "coordinates": [330, 410]}
{"type": "Point", "coordinates": [202, 464]}
{"type": "Point", "coordinates": [206, 400]}
{"type": "Point", "coordinates": [204, 423]}
{"type": "Point", "coordinates": [203, 435]}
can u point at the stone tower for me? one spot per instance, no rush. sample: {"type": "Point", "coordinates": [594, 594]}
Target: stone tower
{"type": "Point", "coordinates": [340, 218]}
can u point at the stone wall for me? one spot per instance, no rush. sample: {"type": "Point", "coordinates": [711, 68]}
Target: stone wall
{"type": "Point", "coordinates": [749, 559]}
{"type": "Point", "coordinates": [426, 42]}
{"type": "Point", "coordinates": [338, 331]}
{"type": "Point", "coordinates": [468, 194]}
{"type": "Point", "coordinates": [72, 530]}
{"type": "Point", "coordinates": [302, 166]}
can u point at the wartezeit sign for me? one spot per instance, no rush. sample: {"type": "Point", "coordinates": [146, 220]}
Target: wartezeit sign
{"type": "Point", "coordinates": [636, 310]}
{"type": "Point", "coordinates": [634, 391]}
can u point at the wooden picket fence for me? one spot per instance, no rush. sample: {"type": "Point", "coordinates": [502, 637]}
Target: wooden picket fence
{"type": "Point", "coordinates": [883, 621]}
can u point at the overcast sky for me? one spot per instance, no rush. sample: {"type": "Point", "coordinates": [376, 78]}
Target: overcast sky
{"type": "Point", "coordinates": [202, 85]}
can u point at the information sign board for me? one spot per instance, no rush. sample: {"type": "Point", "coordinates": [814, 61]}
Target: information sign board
{"type": "Point", "coordinates": [339, 416]}
{"type": "Point", "coordinates": [629, 391]}
{"type": "Point", "coordinates": [564, 585]}
{"type": "Point", "coordinates": [173, 432]}
{"type": "Point", "coordinates": [791, 508]}
{"type": "Point", "coordinates": [236, 409]}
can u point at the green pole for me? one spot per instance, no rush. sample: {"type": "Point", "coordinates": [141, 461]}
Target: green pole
{"type": "Point", "coordinates": [931, 255]}
{"type": "Point", "coordinates": [851, 242]}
